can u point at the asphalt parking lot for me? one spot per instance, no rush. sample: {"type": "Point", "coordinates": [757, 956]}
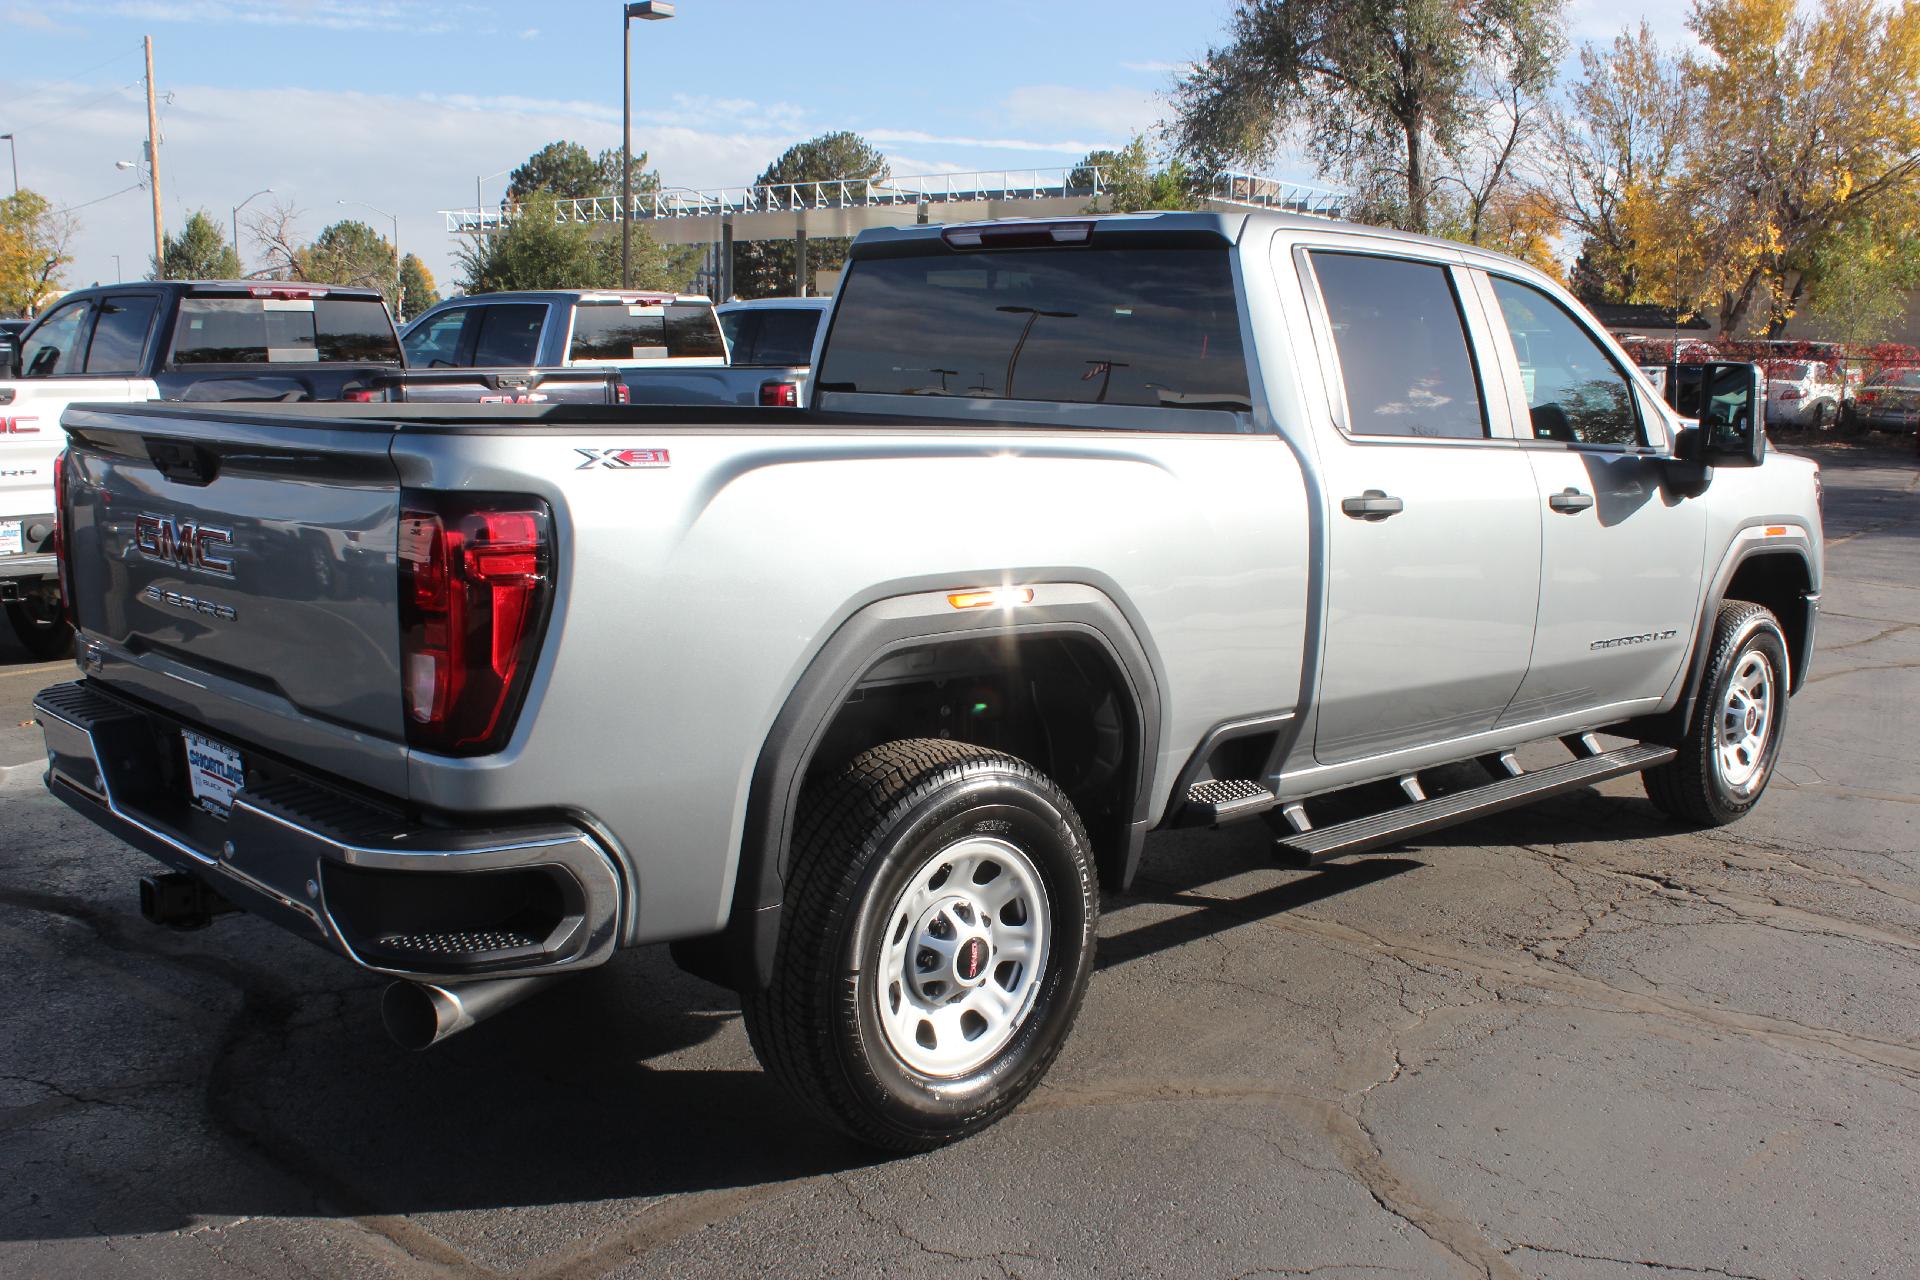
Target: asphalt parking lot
{"type": "Point", "coordinates": [1567, 1042]}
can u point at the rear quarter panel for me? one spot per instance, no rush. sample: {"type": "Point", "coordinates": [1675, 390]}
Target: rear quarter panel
{"type": "Point", "coordinates": [691, 597]}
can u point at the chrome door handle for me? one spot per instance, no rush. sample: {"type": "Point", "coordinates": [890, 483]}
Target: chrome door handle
{"type": "Point", "coordinates": [1570, 501]}
{"type": "Point", "coordinates": [1374, 504]}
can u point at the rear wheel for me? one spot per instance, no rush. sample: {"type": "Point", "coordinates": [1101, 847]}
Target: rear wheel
{"type": "Point", "coordinates": [938, 939]}
{"type": "Point", "coordinates": [39, 626]}
{"type": "Point", "coordinates": [1733, 740]}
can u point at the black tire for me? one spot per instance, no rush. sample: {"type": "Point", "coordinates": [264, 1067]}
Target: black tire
{"type": "Point", "coordinates": [1823, 417]}
{"type": "Point", "coordinates": [1695, 786]}
{"type": "Point", "coordinates": [861, 837]}
{"type": "Point", "coordinates": [40, 629]}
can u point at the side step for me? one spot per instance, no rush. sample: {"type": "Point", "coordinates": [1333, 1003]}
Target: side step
{"type": "Point", "coordinates": [1220, 800]}
{"type": "Point", "coordinates": [1312, 848]}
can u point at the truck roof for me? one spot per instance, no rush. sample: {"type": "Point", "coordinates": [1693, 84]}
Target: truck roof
{"type": "Point", "coordinates": [222, 286]}
{"type": "Point", "coordinates": [1228, 227]}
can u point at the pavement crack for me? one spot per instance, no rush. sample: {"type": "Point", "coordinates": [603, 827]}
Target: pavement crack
{"type": "Point", "coordinates": [1649, 1263]}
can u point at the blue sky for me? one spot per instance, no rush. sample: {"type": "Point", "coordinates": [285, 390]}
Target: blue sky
{"type": "Point", "coordinates": [402, 103]}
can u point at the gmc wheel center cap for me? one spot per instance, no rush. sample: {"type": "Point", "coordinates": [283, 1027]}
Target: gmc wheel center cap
{"type": "Point", "coordinates": [970, 959]}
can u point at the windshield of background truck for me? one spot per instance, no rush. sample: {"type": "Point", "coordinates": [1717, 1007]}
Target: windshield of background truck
{"type": "Point", "coordinates": [1155, 327]}
{"type": "Point", "coordinates": [230, 330]}
{"type": "Point", "coordinates": [619, 331]}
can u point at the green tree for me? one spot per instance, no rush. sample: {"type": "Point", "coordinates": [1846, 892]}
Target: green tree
{"type": "Point", "coordinates": [350, 252]}
{"type": "Point", "coordinates": [417, 289]}
{"type": "Point", "coordinates": [1129, 182]}
{"type": "Point", "coordinates": [1383, 88]}
{"type": "Point", "coordinates": [767, 268]}
{"type": "Point", "coordinates": [540, 249]}
{"type": "Point", "coordinates": [33, 251]}
{"type": "Point", "coordinates": [564, 169]}
{"type": "Point", "coordinates": [199, 252]}
{"type": "Point", "coordinates": [567, 170]}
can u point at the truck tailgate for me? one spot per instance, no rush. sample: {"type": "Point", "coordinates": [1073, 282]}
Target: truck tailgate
{"type": "Point", "coordinates": [244, 556]}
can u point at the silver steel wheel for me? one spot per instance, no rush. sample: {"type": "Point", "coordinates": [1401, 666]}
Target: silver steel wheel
{"type": "Point", "coordinates": [1746, 721]}
{"type": "Point", "coordinates": [962, 957]}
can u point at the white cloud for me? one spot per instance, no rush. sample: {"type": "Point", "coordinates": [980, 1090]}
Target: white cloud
{"type": "Point", "coordinates": [412, 156]}
{"type": "Point", "coordinates": [33, 18]}
{"type": "Point", "coordinates": [1156, 67]}
{"type": "Point", "coordinates": [531, 33]}
{"type": "Point", "coordinates": [1110, 113]}
{"type": "Point", "coordinates": [413, 17]}
{"type": "Point", "coordinates": [993, 144]}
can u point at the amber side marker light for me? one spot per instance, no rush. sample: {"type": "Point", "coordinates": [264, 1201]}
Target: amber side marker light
{"type": "Point", "coordinates": [1776, 531]}
{"type": "Point", "coordinates": [1005, 597]}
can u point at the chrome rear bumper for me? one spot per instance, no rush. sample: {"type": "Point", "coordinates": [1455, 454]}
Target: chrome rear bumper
{"type": "Point", "coordinates": [395, 897]}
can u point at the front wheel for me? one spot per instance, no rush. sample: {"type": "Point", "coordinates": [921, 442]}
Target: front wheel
{"type": "Point", "coordinates": [1733, 739]}
{"type": "Point", "coordinates": [938, 940]}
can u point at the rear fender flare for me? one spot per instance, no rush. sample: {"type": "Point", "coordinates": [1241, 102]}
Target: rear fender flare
{"type": "Point", "coordinates": [871, 634]}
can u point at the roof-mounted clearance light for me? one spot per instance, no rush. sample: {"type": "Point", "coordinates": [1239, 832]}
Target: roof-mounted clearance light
{"type": "Point", "coordinates": [988, 597]}
{"type": "Point", "coordinates": [1019, 235]}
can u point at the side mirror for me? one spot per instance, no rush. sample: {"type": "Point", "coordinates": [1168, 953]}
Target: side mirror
{"type": "Point", "coordinates": [1729, 400]}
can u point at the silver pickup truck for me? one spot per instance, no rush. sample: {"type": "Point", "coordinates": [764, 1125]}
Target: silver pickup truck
{"type": "Point", "coordinates": [1091, 527]}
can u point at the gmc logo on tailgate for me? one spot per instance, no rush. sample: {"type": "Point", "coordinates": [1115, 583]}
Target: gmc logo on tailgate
{"type": "Point", "coordinates": [185, 544]}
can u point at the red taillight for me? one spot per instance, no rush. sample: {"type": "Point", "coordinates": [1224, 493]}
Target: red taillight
{"type": "Point", "coordinates": [60, 533]}
{"type": "Point", "coordinates": [475, 583]}
{"type": "Point", "coordinates": [622, 393]}
{"type": "Point", "coordinates": [360, 395]}
{"type": "Point", "coordinates": [780, 395]}
{"type": "Point", "coordinates": [1792, 393]}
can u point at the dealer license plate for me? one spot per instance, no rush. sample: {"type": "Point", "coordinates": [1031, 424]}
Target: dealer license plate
{"type": "Point", "coordinates": [214, 771]}
{"type": "Point", "coordinates": [10, 543]}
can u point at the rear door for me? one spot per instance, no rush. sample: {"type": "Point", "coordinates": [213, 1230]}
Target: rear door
{"type": "Point", "coordinates": [1621, 552]}
{"type": "Point", "coordinates": [1434, 531]}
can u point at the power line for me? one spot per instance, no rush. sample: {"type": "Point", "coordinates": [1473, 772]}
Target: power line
{"type": "Point", "coordinates": [138, 186]}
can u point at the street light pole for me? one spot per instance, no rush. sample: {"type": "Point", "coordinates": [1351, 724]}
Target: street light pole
{"type": "Point", "coordinates": [13, 151]}
{"type": "Point", "coordinates": [648, 11]}
{"type": "Point", "coordinates": [265, 191]}
{"type": "Point", "coordinates": [399, 280]}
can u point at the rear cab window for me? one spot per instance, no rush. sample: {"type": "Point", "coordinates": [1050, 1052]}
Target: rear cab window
{"type": "Point", "coordinates": [772, 335]}
{"type": "Point", "coordinates": [293, 329]}
{"type": "Point", "coordinates": [1134, 324]}
{"type": "Point", "coordinates": [120, 333]}
{"type": "Point", "coordinates": [616, 329]}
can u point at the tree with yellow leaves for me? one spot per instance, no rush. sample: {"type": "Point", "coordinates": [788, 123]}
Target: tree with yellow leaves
{"type": "Point", "coordinates": [1810, 132]}
{"type": "Point", "coordinates": [34, 237]}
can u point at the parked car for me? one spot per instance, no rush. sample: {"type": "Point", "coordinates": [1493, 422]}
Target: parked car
{"type": "Point", "coordinates": [667, 347]}
{"type": "Point", "coordinates": [1889, 401]}
{"type": "Point", "coordinates": [192, 340]}
{"type": "Point", "coordinates": [1092, 527]}
{"type": "Point", "coordinates": [1804, 394]}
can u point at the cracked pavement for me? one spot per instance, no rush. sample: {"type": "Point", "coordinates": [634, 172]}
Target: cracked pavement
{"type": "Point", "coordinates": [1566, 1042]}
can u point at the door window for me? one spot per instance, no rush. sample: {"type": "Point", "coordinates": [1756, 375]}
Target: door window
{"type": "Point", "coordinates": [510, 336]}
{"type": "Point", "coordinates": [1575, 392]}
{"type": "Point", "coordinates": [120, 334]}
{"type": "Point", "coordinates": [53, 349]}
{"type": "Point", "coordinates": [436, 343]}
{"type": "Point", "coordinates": [1402, 346]}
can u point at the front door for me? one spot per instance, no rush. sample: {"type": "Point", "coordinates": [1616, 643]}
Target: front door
{"type": "Point", "coordinates": [1622, 550]}
{"type": "Point", "coordinates": [1434, 526]}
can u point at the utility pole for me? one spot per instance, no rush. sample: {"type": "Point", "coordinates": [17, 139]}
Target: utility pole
{"type": "Point", "coordinates": [153, 169]}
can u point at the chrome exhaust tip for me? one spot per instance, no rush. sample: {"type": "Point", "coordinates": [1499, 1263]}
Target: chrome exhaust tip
{"type": "Point", "coordinates": [419, 1015]}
